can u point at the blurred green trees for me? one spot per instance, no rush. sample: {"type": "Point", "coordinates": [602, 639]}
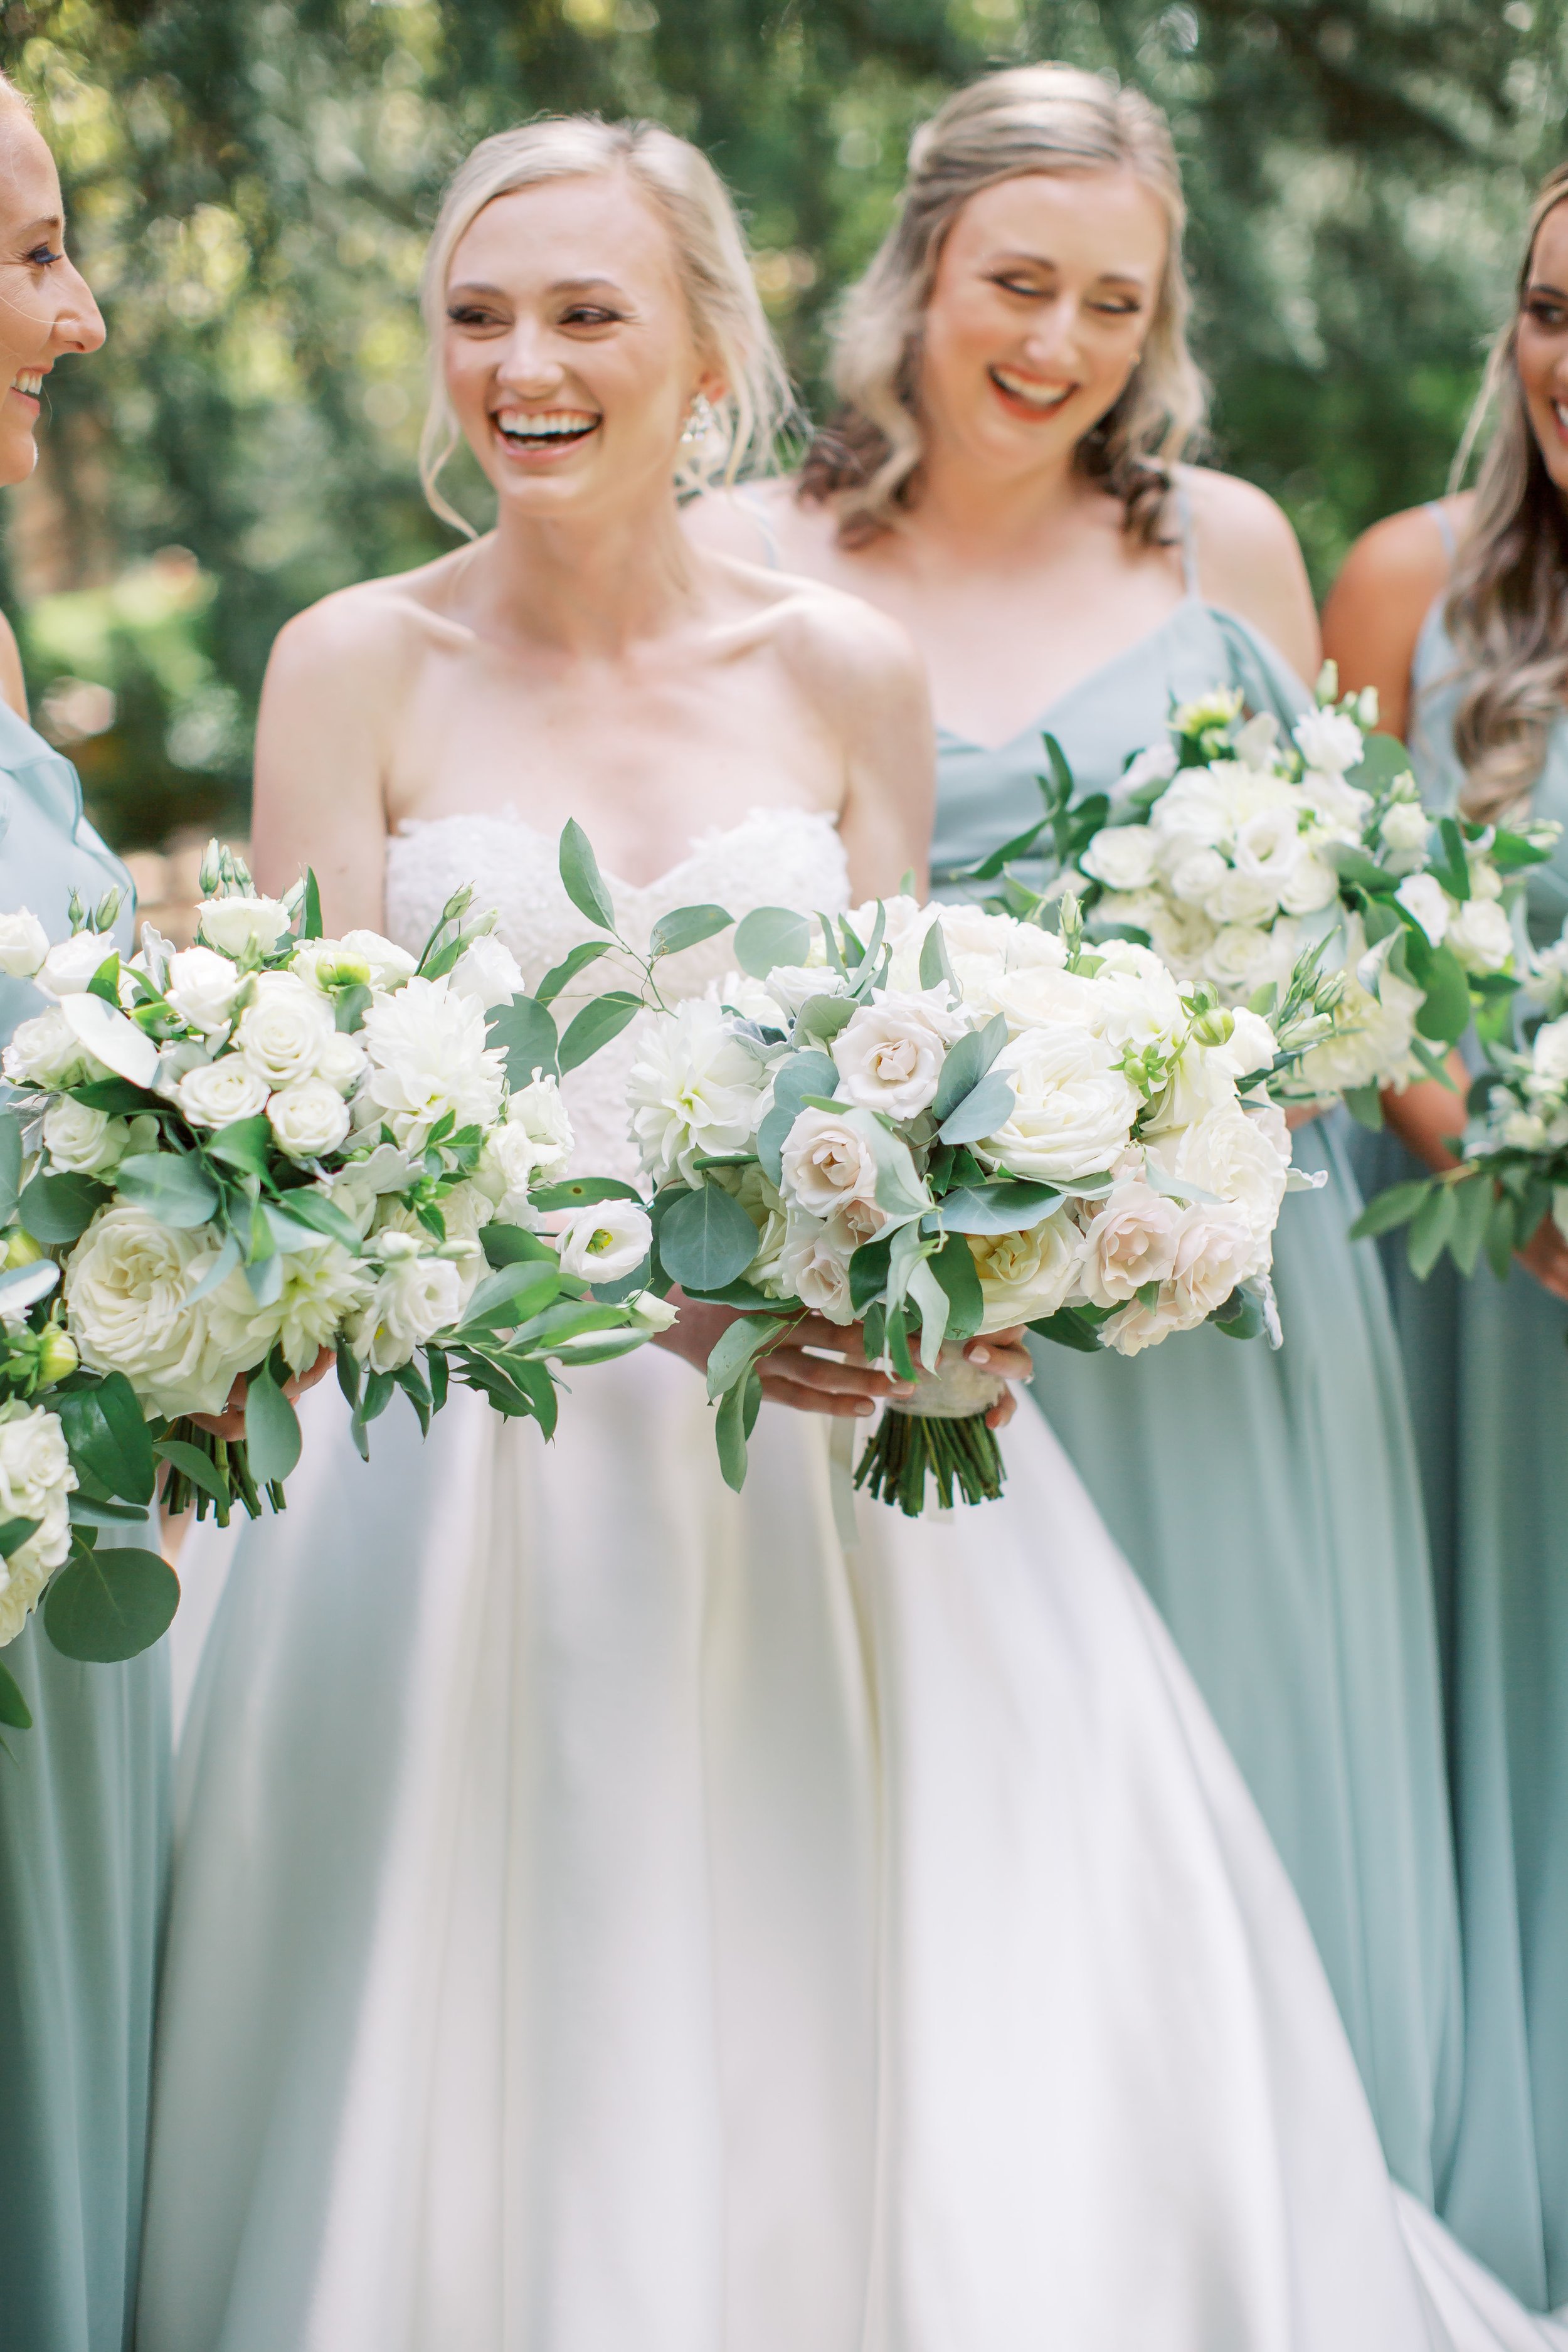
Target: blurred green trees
{"type": "Point", "coordinates": [250, 183]}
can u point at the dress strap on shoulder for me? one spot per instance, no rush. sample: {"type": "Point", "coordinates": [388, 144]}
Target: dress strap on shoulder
{"type": "Point", "coordinates": [1444, 522]}
{"type": "Point", "coordinates": [1183, 497]}
{"type": "Point", "coordinates": [759, 515]}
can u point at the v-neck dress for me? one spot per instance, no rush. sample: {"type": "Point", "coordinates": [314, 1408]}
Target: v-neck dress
{"type": "Point", "coordinates": [1487, 1363]}
{"type": "Point", "coordinates": [1270, 1502]}
{"type": "Point", "coordinates": [83, 1815]}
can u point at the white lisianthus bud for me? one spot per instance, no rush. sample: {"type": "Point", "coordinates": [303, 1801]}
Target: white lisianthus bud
{"type": "Point", "coordinates": [308, 1120]}
{"type": "Point", "coordinates": [23, 944]}
{"type": "Point", "coordinates": [233, 925]}
{"type": "Point", "coordinates": [606, 1241]}
{"type": "Point", "coordinates": [390, 965]}
{"type": "Point", "coordinates": [889, 1056]}
{"type": "Point", "coordinates": [218, 1093]}
{"type": "Point", "coordinates": [1404, 827]}
{"type": "Point", "coordinates": [538, 1109]}
{"type": "Point", "coordinates": [284, 1030]}
{"type": "Point", "coordinates": [202, 986]}
{"type": "Point", "coordinates": [488, 973]}
{"type": "Point", "coordinates": [71, 963]}
{"type": "Point", "coordinates": [1423, 896]}
{"type": "Point", "coordinates": [1122, 857]}
{"type": "Point", "coordinates": [88, 1142]}
{"type": "Point", "coordinates": [1329, 742]}
{"type": "Point", "coordinates": [827, 1162]}
{"type": "Point", "coordinates": [650, 1312]}
{"type": "Point", "coordinates": [1480, 936]}
{"type": "Point", "coordinates": [1132, 1241]}
{"type": "Point", "coordinates": [1252, 1046]}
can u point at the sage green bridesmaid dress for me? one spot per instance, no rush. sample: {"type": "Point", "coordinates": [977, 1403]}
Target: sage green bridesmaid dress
{"type": "Point", "coordinates": [1270, 1502]}
{"type": "Point", "coordinates": [1487, 1363]}
{"type": "Point", "coordinates": [83, 1817]}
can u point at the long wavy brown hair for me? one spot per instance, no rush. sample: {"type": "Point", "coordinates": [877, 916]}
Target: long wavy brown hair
{"type": "Point", "coordinates": [865, 463]}
{"type": "Point", "coordinates": [1508, 607]}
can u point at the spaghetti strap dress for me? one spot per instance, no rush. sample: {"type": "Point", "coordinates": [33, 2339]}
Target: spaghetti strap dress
{"type": "Point", "coordinates": [1270, 1502]}
{"type": "Point", "coordinates": [83, 1814]}
{"type": "Point", "coordinates": [1487, 1363]}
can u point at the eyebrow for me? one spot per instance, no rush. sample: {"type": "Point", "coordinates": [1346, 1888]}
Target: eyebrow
{"type": "Point", "coordinates": [560, 286]}
{"type": "Point", "coordinates": [45, 221]}
{"type": "Point", "coordinates": [1544, 286]}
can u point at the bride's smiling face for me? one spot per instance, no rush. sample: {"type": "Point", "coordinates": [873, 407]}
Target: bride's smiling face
{"type": "Point", "coordinates": [570, 361]}
{"type": "Point", "coordinates": [45, 309]}
{"type": "Point", "coordinates": [1044, 293]}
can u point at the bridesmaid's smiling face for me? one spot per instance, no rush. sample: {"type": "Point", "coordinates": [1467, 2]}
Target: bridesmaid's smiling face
{"type": "Point", "coordinates": [45, 309]}
{"type": "Point", "coordinates": [569, 355]}
{"type": "Point", "coordinates": [1542, 348]}
{"type": "Point", "coordinates": [1044, 292]}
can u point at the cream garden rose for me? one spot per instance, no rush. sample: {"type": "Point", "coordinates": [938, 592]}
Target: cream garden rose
{"type": "Point", "coordinates": [37, 1481]}
{"type": "Point", "coordinates": [284, 1030]}
{"type": "Point", "coordinates": [128, 1287]}
{"type": "Point", "coordinates": [890, 1057]}
{"type": "Point", "coordinates": [1072, 1107]}
{"type": "Point", "coordinates": [828, 1161]}
{"type": "Point", "coordinates": [216, 1094]}
{"type": "Point", "coordinates": [1027, 1275]}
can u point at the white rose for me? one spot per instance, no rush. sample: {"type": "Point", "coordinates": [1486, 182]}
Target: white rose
{"type": "Point", "coordinates": [693, 1090]}
{"type": "Point", "coordinates": [344, 1062]}
{"type": "Point", "coordinates": [829, 1161]}
{"type": "Point", "coordinates": [1239, 898]}
{"type": "Point", "coordinates": [88, 1142]}
{"type": "Point", "coordinates": [1157, 765]}
{"type": "Point", "coordinates": [1041, 996]}
{"type": "Point", "coordinates": [1311, 886]}
{"type": "Point", "coordinates": [1486, 882]}
{"type": "Point", "coordinates": [1269, 1120]}
{"type": "Point", "coordinates": [414, 1298]}
{"type": "Point", "coordinates": [1252, 1044]}
{"type": "Point", "coordinates": [1216, 1250]}
{"type": "Point", "coordinates": [1195, 873]}
{"type": "Point", "coordinates": [321, 1289]}
{"type": "Point", "coordinates": [218, 1093]}
{"type": "Point", "coordinates": [813, 1265]}
{"type": "Point", "coordinates": [507, 1172]}
{"type": "Point", "coordinates": [1479, 935]}
{"type": "Point", "coordinates": [23, 944]}
{"type": "Point", "coordinates": [71, 963]}
{"type": "Point", "coordinates": [889, 1056]}
{"type": "Point", "coordinates": [1404, 828]}
{"type": "Point", "coordinates": [605, 1241]}
{"type": "Point", "coordinates": [1343, 809]}
{"type": "Point", "coordinates": [1239, 959]}
{"type": "Point", "coordinates": [1180, 937]}
{"type": "Point", "coordinates": [429, 1057]}
{"type": "Point", "coordinates": [1131, 1241]}
{"type": "Point", "coordinates": [970, 931]}
{"type": "Point", "coordinates": [36, 1481]}
{"type": "Point", "coordinates": [308, 1119]}
{"type": "Point", "coordinates": [284, 1030]}
{"type": "Point", "coordinates": [488, 973]}
{"type": "Point", "coordinates": [127, 1284]}
{"type": "Point", "coordinates": [1122, 857]}
{"type": "Point", "coordinates": [1226, 1153]}
{"type": "Point", "coordinates": [1549, 1057]}
{"type": "Point", "coordinates": [1196, 807]}
{"type": "Point", "coordinates": [1329, 742]}
{"type": "Point", "coordinates": [1025, 1276]}
{"type": "Point", "coordinates": [788, 986]}
{"type": "Point", "coordinates": [233, 925]}
{"type": "Point", "coordinates": [1524, 1130]}
{"type": "Point", "coordinates": [1072, 1111]}
{"type": "Point", "coordinates": [1137, 1326]}
{"type": "Point", "coordinates": [1423, 896]}
{"type": "Point", "coordinates": [389, 965]}
{"type": "Point", "coordinates": [44, 1052]}
{"type": "Point", "coordinates": [202, 987]}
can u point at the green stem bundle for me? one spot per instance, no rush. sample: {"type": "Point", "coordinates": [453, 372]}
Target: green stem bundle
{"type": "Point", "coordinates": [959, 1456]}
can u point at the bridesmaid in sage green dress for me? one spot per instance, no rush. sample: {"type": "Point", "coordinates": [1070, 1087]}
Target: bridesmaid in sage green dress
{"type": "Point", "coordinates": [83, 1794]}
{"type": "Point", "coordinates": [1003, 480]}
{"type": "Point", "coordinates": [1487, 1360]}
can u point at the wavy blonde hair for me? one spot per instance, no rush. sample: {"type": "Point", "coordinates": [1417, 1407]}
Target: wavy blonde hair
{"type": "Point", "coordinates": [1508, 605]}
{"type": "Point", "coordinates": [728, 321]}
{"type": "Point", "coordinates": [1045, 118]}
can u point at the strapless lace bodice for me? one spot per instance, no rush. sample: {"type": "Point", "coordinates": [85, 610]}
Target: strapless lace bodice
{"type": "Point", "coordinates": [773, 857]}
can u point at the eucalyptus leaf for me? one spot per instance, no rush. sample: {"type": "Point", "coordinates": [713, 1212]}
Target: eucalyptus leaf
{"type": "Point", "coordinates": [1007, 1208]}
{"type": "Point", "coordinates": [1070, 1327]}
{"type": "Point", "coordinates": [931, 1298]}
{"type": "Point", "coordinates": [580, 1191]}
{"type": "Point", "coordinates": [966, 1064]}
{"type": "Point", "coordinates": [936, 965]}
{"type": "Point", "coordinates": [1384, 759]}
{"type": "Point", "coordinates": [14, 1533]}
{"type": "Point", "coordinates": [1445, 1015]}
{"type": "Point", "coordinates": [983, 1110]}
{"type": "Point", "coordinates": [1431, 1228]}
{"type": "Point", "coordinates": [111, 1443]}
{"type": "Point", "coordinates": [245, 1143]}
{"type": "Point", "coordinates": [686, 927]}
{"type": "Point", "coordinates": [310, 910]}
{"type": "Point", "coordinates": [197, 1466]}
{"type": "Point", "coordinates": [305, 1207]}
{"type": "Point", "coordinates": [953, 1266]}
{"type": "Point", "coordinates": [561, 975]}
{"type": "Point", "coordinates": [525, 1033]}
{"type": "Point", "coordinates": [14, 1712]}
{"type": "Point", "coordinates": [737, 1344]}
{"type": "Point", "coordinates": [825, 1016]}
{"type": "Point", "coordinates": [10, 1164]}
{"type": "Point", "coordinates": [57, 1210]}
{"type": "Point", "coordinates": [1473, 1199]}
{"type": "Point", "coordinates": [512, 1294]}
{"type": "Point", "coordinates": [172, 1186]}
{"type": "Point", "coordinates": [1241, 1317]}
{"type": "Point", "coordinates": [22, 1286]}
{"type": "Point", "coordinates": [706, 1239]}
{"type": "Point", "coordinates": [581, 878]}
{"type": "Point", "coordinates": [1387, 1210]}
{"type": "Point", "coordinates": [510, 1245]}
{"type": "Point", "coordinates": [594, 1026]}
{"type": "Point", "coordinates": [271, 1429]}
{"type": "Point", "coordinates": [1364, 1105]}
{"type": "Point", "coordinates": [733, 1424]}
{"type": "Point", "coordinates": [106, 1606]}
{"type": "Point", "coordinates": [770, 936]}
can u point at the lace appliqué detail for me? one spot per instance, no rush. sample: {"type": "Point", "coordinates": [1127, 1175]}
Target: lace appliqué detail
{"type": "Point", "coordinates": [774, 857]}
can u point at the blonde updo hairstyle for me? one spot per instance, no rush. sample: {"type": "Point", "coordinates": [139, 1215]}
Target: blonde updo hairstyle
{"type": "Point", "coordinates": [1507, 612]}
{"type": "Point", "coordinates": [1046, 118]}
{"type": "Point", "coordinates": [728, 322]}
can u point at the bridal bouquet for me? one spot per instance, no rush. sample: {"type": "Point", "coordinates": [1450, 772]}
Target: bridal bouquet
{"type": "Point", "coordinates": [1366, 934]}
{"type": "Point", "coordinates": [1513, 1168]}
{"type": "Point", "coordinates": [935, 1122]}
{"type": "Point", "coordinates": [272, 1143]}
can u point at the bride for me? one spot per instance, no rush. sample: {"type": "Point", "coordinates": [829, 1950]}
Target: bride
{"type": "Point", "coordinates": [610, 1916]}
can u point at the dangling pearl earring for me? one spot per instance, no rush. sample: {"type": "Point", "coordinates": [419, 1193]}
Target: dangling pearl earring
{"type": "Point", "coordinates": [700, 419]}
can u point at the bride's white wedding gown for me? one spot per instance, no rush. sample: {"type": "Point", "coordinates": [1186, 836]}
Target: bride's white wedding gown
{"type": "Point", "coordinates": [609, 1918]}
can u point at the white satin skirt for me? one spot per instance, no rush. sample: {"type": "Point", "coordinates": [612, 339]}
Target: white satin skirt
{"type": "Point", "coordinates": [611, 1916]}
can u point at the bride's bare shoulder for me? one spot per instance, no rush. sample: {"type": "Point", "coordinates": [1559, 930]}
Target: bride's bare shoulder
{"type": "Point", "coordinates": [370, 635]}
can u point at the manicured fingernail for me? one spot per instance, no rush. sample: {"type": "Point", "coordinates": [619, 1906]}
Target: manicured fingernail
{"type": "Point", "coordinates": [865, 1406]}
{"type": "Point", "coordinates": [980, 1355]}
